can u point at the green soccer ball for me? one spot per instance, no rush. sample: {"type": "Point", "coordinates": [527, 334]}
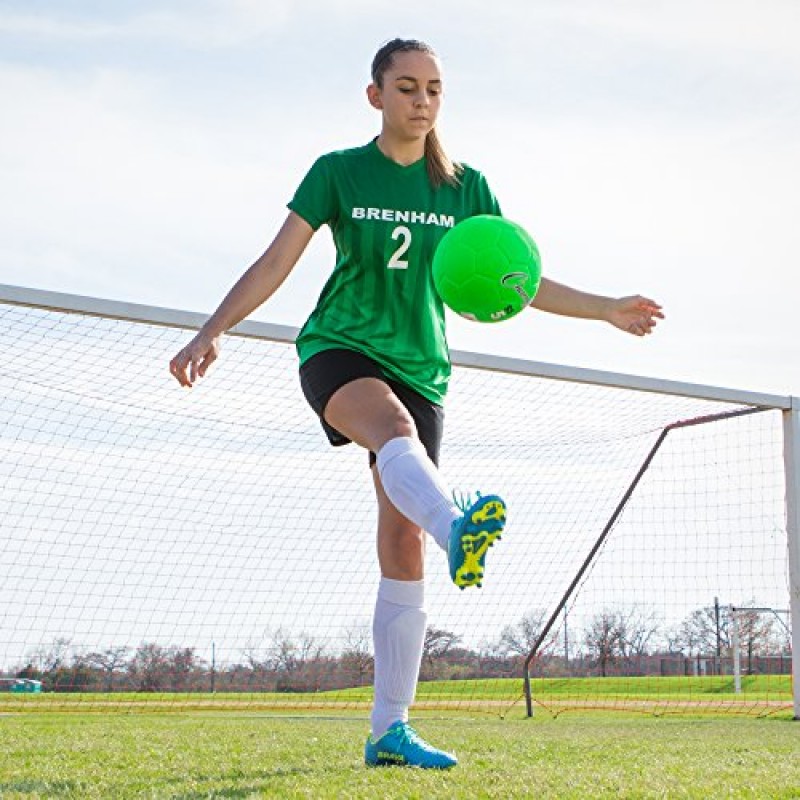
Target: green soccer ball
{"type": "Point", "coordinates": [487, 268]}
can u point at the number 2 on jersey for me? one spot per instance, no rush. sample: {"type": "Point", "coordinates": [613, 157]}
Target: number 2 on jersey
{"type": "Point", "coordinates": [397, 261]}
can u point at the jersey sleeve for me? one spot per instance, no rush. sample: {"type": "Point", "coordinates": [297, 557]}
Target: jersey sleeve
{"type": "Point", "coordinates": [486, 201]}
{"type": "Point", "coordinates": [314, 199]}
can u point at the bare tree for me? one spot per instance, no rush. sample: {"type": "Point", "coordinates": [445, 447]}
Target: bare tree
{"type": "Point", "coordinates": [438, 642]}
{"type": "Point", "coordinates": [602, 639]}
{"type": "Point", "coordinates": [616, 636]}
{"type": "Point", "coordinates": [282, 652]}
{"type": "Point", "coordinates": [108, 661]}
{"type": "Point", "coordinates": [59, 666]}
{"type": "Point", "coordinates": [49, 658]}
{"type": "Point", "coordinates": [288, 654]}
{"type": "Point", "coordinates": [183, 663]}
{"type": "Point", "coordinates": [154, 668]}
{"type": "Point", "coordinates": [757, 634]}
{"type": "Point", "coordinates": [672, 640]}
{"type": "Point", "coordinates": [299, 662]}
{"type": "Point", "coordinates": [519, 639]}
{"type": "Point", "coordinates": [357, 661]}
{"type": "Point", "coordinates": [698, 633]}
{"type": "Point", "coordinates": [149, 668]}
{"type": "Point", "coordinates": [638, 629]}
{"type": "Point", "coordinates": [308, 648]}
{"type": "Point", "coordinates": [253, 658]}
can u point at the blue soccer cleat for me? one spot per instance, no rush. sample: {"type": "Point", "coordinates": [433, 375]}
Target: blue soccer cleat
{"type": "Point", "coordinates": [471, 536]}
{"type": "Point", "coordinates": [402, 746]}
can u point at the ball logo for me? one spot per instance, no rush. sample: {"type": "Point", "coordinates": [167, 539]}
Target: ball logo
{"type": "Point", "coordinates": [516, 280]}
{"type": "Point", "coordinates": [496, 316]}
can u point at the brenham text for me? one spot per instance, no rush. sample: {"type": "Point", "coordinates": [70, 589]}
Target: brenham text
{"type": "Point", "coordinates": [413, 217]}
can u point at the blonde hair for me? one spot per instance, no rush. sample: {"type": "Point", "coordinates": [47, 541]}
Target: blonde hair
{"type": "Point", "coordinates": [441, 168]}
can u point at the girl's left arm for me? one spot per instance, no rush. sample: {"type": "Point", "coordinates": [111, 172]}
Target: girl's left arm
{"type": "Point", "coordinates": [633, 314]}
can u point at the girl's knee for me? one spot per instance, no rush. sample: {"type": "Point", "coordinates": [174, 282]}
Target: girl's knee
{"type": "Point", "coordinates": [402, 424]}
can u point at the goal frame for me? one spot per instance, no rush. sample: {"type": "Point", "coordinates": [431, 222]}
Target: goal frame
{"type": "Point", "coordinates": [788, 405]}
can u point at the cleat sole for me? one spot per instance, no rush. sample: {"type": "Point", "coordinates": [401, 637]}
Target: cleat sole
{"type": "Point", "coordinates": [484, 526]}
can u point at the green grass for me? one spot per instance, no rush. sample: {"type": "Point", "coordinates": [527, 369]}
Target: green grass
{"type": "Point", "coordinates": [773, 692]}
{"type": "Point", "coordinates": [754, 687]}
{"type": "Point", "coordinates": [242, 756]}
{"type": "Point", "coordinates": [761, 686]}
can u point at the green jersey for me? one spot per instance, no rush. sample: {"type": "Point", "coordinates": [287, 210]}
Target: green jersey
{"type": "Point", "coordinates": [386, 221]}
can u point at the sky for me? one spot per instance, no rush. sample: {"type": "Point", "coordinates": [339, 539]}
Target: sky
{"type": "Point", "coordinates": [148, 150]}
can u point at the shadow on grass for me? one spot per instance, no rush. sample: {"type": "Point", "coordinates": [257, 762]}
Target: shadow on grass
{"type": "Point", "coordinates": [257, 783]}
{"type": "Point", "coordinates": [43, 788]}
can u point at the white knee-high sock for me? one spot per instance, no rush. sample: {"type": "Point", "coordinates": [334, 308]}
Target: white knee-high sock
{"type": "Point", "coordinates": [415, 487]}
{"type": "Point", "coordinates": [398, 632]}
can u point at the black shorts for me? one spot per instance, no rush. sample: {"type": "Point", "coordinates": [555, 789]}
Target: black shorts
{"type": "Point", "coordinates": [329, 370]}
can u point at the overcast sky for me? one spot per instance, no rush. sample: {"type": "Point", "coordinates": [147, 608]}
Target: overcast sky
{"type": "Point", "coordinates": [147, 152]}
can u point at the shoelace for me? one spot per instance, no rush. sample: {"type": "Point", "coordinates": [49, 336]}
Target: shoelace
{"type": "Point", "coordinates": [464, 501]}
{"type": "Point", "coordinates": [409, 736]}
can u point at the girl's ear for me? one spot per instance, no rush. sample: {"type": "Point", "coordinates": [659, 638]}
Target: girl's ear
{"type": "Point", "coordinates": [374, 96]}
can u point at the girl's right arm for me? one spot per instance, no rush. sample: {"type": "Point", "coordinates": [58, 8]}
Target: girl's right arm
{"type": "Point", "coordinates": [255, 287]}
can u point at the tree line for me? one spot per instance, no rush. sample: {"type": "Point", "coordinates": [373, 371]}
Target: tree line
{"type": "Point", "coordinates": [614, 642]}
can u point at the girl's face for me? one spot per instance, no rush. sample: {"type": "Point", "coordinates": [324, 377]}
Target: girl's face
{"type": "Point", "coordinates": [410, 97]}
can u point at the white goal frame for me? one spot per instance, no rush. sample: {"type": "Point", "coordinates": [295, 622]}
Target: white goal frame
{"type": "Point", "coordinates": [789, 405]}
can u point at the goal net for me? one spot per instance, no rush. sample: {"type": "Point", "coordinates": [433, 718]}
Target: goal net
{"type": "Point", "coordinates": [165, 548]}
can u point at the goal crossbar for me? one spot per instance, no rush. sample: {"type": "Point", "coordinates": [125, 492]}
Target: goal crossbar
{"type": "Point", "coordinates": [170, 317]}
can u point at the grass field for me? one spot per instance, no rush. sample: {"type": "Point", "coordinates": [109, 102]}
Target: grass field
{"type": "Point", "coordinates": [761, 695]}
{"type": "Point", "coordinates": [229, 755]}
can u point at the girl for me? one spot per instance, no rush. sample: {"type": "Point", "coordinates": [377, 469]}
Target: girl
{"type": "Point", "coordinates": [374, 362]}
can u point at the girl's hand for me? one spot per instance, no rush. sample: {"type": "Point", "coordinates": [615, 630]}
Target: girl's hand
{"type": "Point", "coordinates": [194, 360]}
{"type": "Point", "coordinates": [634, 314]}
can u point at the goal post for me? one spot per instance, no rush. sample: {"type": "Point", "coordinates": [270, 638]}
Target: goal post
{"type": "Point", "coordinates": [207, 549]}
{"type": "Point", "coordinates": [791, 454]}
{"type": "Point", "coordinates": [588, 561]}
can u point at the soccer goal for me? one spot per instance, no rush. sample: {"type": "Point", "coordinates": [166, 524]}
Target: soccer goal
{"type": "Point", "coordinates": [165, 548]}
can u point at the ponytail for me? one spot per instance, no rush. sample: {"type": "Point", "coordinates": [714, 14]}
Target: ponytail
{"type": "Point", "coordinates": [441, 169]}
